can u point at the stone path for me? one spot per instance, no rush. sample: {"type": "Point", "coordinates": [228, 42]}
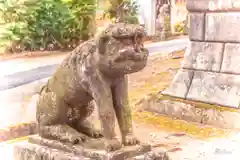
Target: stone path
{"type": "Point", "coordinates": [21, 71]}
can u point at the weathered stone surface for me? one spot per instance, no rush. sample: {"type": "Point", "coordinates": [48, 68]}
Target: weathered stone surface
{"type": "Point", "coordinates": [216, 88]}
{"type": "Point", "coordinates": [94, 75]}
{"type": "Point", "coordinates": [222, 27]}
{"type": "Point", "coordinates": [196, 30]}
{"type": "Point", "coordinates": [27, 151]}
{"type": "Point", "coordinates": [156, 154]}
{"type": "Point", "coordinates": [231, 58]}
{"type": "Point", "coordinates": [213, 5]}
{"type": "Point", "coordinates": [30, 151]}
{"type": "Point", "coordinates": [180, 84]}
{"type": "Point", "coordinates": [214, 58]}
{"type": "Point", "coordinates": [203, 56]}
{"type": "Point", "coordinates": [93, 148]}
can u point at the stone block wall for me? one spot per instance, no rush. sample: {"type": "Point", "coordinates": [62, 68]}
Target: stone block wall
{"type": "Point", "coordinates": [210, 71]}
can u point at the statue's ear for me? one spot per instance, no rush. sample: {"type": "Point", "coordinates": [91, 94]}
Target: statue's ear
{"type": "Point", "coordinates": [102, 44]}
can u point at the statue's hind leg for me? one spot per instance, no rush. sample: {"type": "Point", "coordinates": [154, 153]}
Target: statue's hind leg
{"type": "Point", "coordinates": [52, 119]}
{"type": "Point", "coordinates": [84, 125]}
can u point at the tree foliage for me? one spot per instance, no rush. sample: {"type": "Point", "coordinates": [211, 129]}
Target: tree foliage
{"type": "Point", "coordinates": [123, 10]}
{"type": "Point", "coordinates": [48, 24]}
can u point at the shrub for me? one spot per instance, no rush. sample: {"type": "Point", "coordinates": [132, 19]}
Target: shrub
{"type": "Point", "coordinates": [48, 24]}
{"type": "Point", "coordinates": [179, 27]}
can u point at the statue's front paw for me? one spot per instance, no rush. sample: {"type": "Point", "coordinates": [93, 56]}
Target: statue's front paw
{"type": "Point", "coordinates": [95, 133]}
{"type": "Point", "coordinates": [78, 138]}
{"type": "Point", "coordinates": [112, 144]}
{"type": "Point", "coordinates": [130, 140]}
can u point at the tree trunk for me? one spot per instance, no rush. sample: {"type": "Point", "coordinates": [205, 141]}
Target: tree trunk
{"type": "Point", "coordinates": [116, 5]}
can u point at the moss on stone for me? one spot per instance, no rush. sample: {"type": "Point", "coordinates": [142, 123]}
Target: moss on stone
{"type": "Point", "coordinates": [16, 140]}
{"type": "Point", "coordinates": [172, 125]}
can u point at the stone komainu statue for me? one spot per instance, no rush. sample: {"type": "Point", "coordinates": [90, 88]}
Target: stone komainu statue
{"type": "Point", "coordinates": [96, 71]}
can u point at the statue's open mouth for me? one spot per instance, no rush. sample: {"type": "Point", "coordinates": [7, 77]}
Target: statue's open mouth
{"type": "Point", "coordinates": [138, 41]}
{"type": "Point", "coordinates": [134, 51]}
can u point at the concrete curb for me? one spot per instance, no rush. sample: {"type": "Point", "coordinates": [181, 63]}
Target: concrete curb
{"type": "Point", "coordinates": [175, 108]}
{"type": "Point", "coordinates": [17, 131]}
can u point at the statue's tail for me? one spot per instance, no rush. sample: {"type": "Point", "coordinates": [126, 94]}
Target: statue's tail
{"type": "Point", "coordinates": [41, 89]}
{"type": "Point", "coordinates": [42, 86]}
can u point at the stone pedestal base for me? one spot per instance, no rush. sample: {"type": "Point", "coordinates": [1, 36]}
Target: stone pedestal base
{"type": "Point", "coordinates": [32, 151]}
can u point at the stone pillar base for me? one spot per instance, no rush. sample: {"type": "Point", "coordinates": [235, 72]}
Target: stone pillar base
{"type": "Point", "coordinates": [37, 149]}
{"type": "Point", "coordinates": [210, 71]}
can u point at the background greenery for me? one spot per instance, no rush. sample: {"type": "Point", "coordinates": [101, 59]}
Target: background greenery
{"type": "Point", "coordinates": [47, 24]}
{"type": "Point", "coordinates": [129, 8]}
{"type": "Point", "coordinates": [54, 24]}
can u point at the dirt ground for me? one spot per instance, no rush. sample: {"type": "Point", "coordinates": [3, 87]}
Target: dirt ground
{"type": "Point", "coordinates": [175, 136]}
{"type": "Point", "coordinates": [155, 76]}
